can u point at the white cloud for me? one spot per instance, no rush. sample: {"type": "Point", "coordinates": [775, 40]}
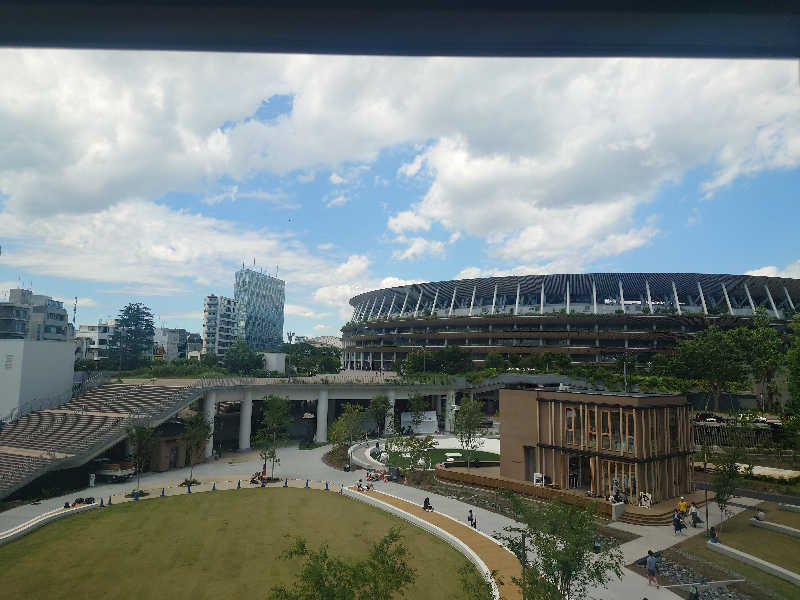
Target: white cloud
{"type": "Point", "coordinates": [326, 246]}
{"type": "Point", "coordinates": [321, 327]}
{"type": "Point", "coordinates": [296, 310]}
{"type": "Point", "coordinates": [412, 168]}
{"type": "Point", "coordinates": [336, 179]}
{"type": "Point", "coordinates": [791, 271]}
{"type": "Point", "coordinates": [418, 248]}
{"type": "Point", "coordinates": [390, 281]}
{"type": "Point", "coordinates": [339, 200]}
{"type": "Point", "coordinates": [694, 217]}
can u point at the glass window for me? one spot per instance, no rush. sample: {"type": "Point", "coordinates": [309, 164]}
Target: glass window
{"type": "Point", "coordinates": [605, 439]}
{"type": "Point", "coordinates": [592, 428]}
{"type": "Point", "coordinates": [615, 430]}
{"type": "Point", "coordinates": [629, 433]}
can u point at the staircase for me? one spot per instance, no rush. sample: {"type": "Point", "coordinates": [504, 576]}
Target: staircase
{"type": "Point", "coordinates": [652, 517]}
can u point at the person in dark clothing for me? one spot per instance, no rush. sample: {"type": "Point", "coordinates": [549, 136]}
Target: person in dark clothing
{"type": "Point", "coordinates": [426, 505]}
{"type": "Point", "coordinates": [651, 569]}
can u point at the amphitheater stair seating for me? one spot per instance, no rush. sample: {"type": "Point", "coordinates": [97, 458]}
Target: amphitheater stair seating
{"type": "Point", "coordinates": [80, 429]}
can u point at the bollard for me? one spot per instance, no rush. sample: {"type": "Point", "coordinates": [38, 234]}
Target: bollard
{"type": "Point", "coordinates": [109, 500]}
{"type": "Point", "coordinates": [306, 483]}
{"type": "Point", "coordinates": [214, 487]}
{"type": "Point", "coordinates": [101, 501]}
{"type": "Point", "coordinates": [326, 486]}
{"type": "Point", "coordinates": [188, 489]}
{"type": "Point", "coordinates": [239, 484]}
{"type": "Point", "coordinates": [162, 492]}
{"type": "Point", "coordinates": [263, 483]}
{"type": "Point", "coordinates": [136, 495]}
{"type": "Point", "coordinates": [286, 483]}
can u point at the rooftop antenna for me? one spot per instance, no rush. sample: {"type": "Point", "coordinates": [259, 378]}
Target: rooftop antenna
{"type": "Point", "coordinates": [74, 311]}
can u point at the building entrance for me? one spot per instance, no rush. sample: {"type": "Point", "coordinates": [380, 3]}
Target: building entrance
{"type": "Point", "coordinates": [579, 472]}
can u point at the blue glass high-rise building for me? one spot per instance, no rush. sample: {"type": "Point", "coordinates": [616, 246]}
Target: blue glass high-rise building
{"type": "Point", "coordinates": [259, 298]}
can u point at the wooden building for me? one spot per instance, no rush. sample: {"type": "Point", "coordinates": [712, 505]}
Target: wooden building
{"type": "Point", "coordinates": [597, 441]}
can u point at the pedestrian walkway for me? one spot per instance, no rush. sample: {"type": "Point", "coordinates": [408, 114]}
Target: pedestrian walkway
{"type": "Point", "coordinates": [495, 556]}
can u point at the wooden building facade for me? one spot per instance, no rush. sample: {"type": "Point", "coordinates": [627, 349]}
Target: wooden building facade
{"type": "Point", "coordinates": [598, 442]}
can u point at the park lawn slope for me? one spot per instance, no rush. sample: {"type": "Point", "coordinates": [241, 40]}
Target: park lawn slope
{"type": "Point", "coordinates": [224, 544]}
{"type": "Point", "coordinates": [437, 455]}
{"type": "Point", "coordinates": [737, 532]}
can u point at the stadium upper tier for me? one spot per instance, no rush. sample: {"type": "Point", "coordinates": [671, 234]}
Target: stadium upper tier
{"type": "Point", "coordinates": [592, 316]}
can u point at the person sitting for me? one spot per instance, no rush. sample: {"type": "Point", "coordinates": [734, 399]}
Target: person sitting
{"type": "Point", "coordinates": [760, 516]}
{"type": "Point", "coordinates": [360, 486]}
{"type": "Point", "coordinates": [253, 480]}
{"type": "Point", "coordinates": [714, 537]}
{"type": "Point", "coordinates": [426, 505]}
{"type": "Point", "coordinates": [370, 487]}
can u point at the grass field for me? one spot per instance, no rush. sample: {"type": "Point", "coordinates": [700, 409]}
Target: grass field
{"type": "Point", "coordinates": [224, 544]}
{"type": "Point", "coordinates": [437, 455]}
{"type": "Point", "coordinates": [774, 547]}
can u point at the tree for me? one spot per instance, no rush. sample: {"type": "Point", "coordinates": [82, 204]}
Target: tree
{"type": "Point", "coordinates": [467, 427]}
{"type": "Point", "coordinates": [142, 439]}
{"type": "Point", "coordinates": [196, 432]}
{"type": "Point", "coordinates": [348, 426]}
{"type": "Point", "coordinates": [495, 361]}
{"type": "Point", "coordinates": [714, 359]}
{"type": "Point", "coordinates": [454, 360]}
{"type": "Point", "coordinates": [209, 360]}
{"type": "Point", "coordinates": [567, 556]}
{"type": "Point", "coordinates": [274, 424]}
{"type": "Point", "coordinates": [383, 575]}
{"type": "Point", "coordinates": [416, 406]}
{"type": "Point", "coordinates": [793, 368]}
{"type": "Point", "coordinates": [417, 449]}
{"type": "Point", "coordinates": [763, 352]}
{"type": "Point", "coordinates": [476, 585]}
{"type": "Point", "coordinates": [378, 409]}
{"type": "Point", "coordinates": [726, 475]}
{"type": "Point", "coordinates": [132, 339]}
{"type": "Point", "coordinates": [240, 359]}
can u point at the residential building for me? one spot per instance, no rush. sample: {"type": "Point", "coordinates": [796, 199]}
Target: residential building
{"type": "Point", "coordinates": [99, 338]}
{"type": "Point", "coordinates": [219, 324]}
{"type": "Point", "coordinates": [260, 299]}
{"type": "Point", "coordinates": [34, 317]}
{"type": "Point", "coordinates": [194, 343]}
{"type": "Point", "coordinates": [598, 442]}
{"type": "Point", "coordinates": [172, 341]}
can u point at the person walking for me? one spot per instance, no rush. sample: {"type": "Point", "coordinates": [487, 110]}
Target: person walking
{"type": "Point", "coordinates": [677, 523]}
{"type": "Point", "coordinates": [470, 517]}
{"type": "Point", "coordinates": [651, 569]}
{"type": "Point", "coordinates": [694, 516]}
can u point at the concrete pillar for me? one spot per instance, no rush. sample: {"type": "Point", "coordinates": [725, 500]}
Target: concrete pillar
{"type": "Point", "coordinates": [675, 296]}
{"type": "Point", "coordinates": [453, 301]}
{"type": "Point", "coordinates": [727, 299]}
{"type": "Point", "coordinates": [389, 425]}
{"type": "Point", "coordinates": [322, 417]}
{"type": "Point", "coordinates": [209, 407]}
{"type": "Point", "coordinates": [702, 298]}
{"type": "Point", "coordinates": [450, 411]}
{"type": "Point", "coordinates": [771, 301]}
{"type": "Point", "coordinates": [437, 405]}
{"type": "Point", "coordinates": [245, 416]}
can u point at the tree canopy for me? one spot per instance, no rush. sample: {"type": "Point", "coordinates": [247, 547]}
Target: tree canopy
{"type": "Point", "coordinates": [379, 408]}
{"type": "Point", "coordinates": [383, 575]}
{"type": "Point", "coordinates": [348, 425]}
{"type": "Point", "coordinates": [142, 439]}
{"type": "Point", "coordinates": [132, 340]}
{"type": "Point", "coordinates": [196, 432]}
{"type": "Point", "coordinates": [560, 551]}
{"type": "Point", "coordinates": [240, 359]}
{"type": "Point", "coordinates": [274, 425]}
{"type": "Point", "coordinates": [467, 427]}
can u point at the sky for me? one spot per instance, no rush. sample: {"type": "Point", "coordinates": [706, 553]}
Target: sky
{"type": "Point", "coordinates": [152, 176]}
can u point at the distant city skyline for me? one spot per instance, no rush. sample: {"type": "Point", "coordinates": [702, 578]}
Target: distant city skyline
{"type": "Point", "coordinates": [152, 176]}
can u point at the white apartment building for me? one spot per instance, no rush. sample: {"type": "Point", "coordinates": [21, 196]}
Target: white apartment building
{"type": "Point", "coordinates": [219, 324]}
{"type": "Point", "coordinates": [34, 317]}
{"type": "Point", "coordinates": [98, 336]}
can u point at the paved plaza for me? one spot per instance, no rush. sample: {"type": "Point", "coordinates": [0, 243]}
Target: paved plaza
{"type": "Point", "coordinates": [299, 465]}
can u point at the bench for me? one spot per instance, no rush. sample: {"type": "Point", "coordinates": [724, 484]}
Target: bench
{"type": "Point", "coordinates": [785, 529]}
{"type": "Point", "coordinates": [754, 561]}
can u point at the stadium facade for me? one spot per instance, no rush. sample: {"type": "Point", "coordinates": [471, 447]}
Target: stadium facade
{"type": "Point", "coordinates": [592, 317]}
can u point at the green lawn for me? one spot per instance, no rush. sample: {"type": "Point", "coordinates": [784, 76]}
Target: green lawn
{"type": "Point", "coordinates": [223, 544]}
{"type": "Point", "coordinates": [774, 547]}
{"type": "Point", "coordinates": [437, 455]}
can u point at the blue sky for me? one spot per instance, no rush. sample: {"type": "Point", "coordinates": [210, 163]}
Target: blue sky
{"type": "Point", "coordinates": [151, 176]}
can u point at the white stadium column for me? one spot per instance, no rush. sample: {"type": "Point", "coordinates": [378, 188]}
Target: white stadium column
{"type": "Point", "coordinates": [702, 298]}
{"type": "Point", "coordinates": [453, 301]}
{"type": "Point", "coordinates": [516, 304]}
{"type": "Point", "coordinates": [389, 425]}
{"type": "Point", "coordinates": [675, 296]}
{"type": "Point", "coordinates": [567, 297]}
{"type": "Point", "coordinates": [749, 299]}
{"type": "Point", "coordinates": [494, 298]}
{"type": "Point", "coordinates": [788, 297]}
{"type": "Point", "coordinates": [649, 297]}
{"type": "Point", "coordinates": [771, 301]}
{"type": "Point", "coordinates": [472, 302]}
{"type": "Point", "coordinates": [594, 297]}
{"type": "Point", "coordinates": [322, 417]}
{"type": "Point", "coordinates": [245, 415]}
{"type": "Point", "coordinates": [727, 299]}
{"type": "Point", "coordinates": [209, 408]}
{"type": "Point", "coordinates": [449, 411]}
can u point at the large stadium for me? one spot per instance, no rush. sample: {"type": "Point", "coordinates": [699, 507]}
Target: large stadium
{"type": "Point", "coordinates": [591, 317]}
